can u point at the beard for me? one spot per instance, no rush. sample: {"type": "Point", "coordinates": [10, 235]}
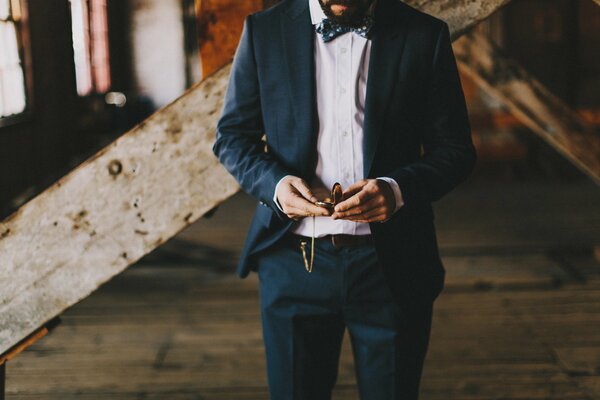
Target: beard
{"type": "Point", "coordinates": [352, 16]}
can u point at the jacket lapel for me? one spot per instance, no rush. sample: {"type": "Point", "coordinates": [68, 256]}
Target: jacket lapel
{"type": "Point", "coordinates": [298, 41]}
{"type": "Point", "coordinates": [387, 46]}
{"type": "Point", "coordinates": [386, 50]}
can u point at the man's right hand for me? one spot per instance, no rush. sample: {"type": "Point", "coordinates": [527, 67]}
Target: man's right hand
{"type": "Point", "coordinates": [297, 200]}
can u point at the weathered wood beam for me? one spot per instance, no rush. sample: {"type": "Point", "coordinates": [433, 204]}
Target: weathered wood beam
{"type": "Point", "coordinates": [127, 200]}
{"type": "Point", "coordinates": [530, 102]}
{"type": "Point", "coordinates": [119, 205]}
{"type": "Point", "coordinates": [461, 15]}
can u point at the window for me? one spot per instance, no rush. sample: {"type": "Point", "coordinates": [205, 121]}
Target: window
{"type": "Point", "coordinates": [90, 45]}
{"type": "Point", "coordinates": [13, 98]}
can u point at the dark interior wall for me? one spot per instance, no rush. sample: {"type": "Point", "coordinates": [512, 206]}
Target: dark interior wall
{"type": "Point", "coordinates": [542, 35]}
{"type": "Point", "coordinates": [36, 147]}
{"type": "Point", "coordinates": [558, 41]}
{"type": "Point", "coordinates": [119, 47]}
{"type": "Point", "coordinates": [589, 51]}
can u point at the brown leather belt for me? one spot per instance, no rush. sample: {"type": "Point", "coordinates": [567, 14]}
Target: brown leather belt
{"type": "Point", "coordinates": [340, 240]}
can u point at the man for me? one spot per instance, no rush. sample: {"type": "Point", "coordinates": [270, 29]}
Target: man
{"type": "Point", "coordinates": [365, 93]}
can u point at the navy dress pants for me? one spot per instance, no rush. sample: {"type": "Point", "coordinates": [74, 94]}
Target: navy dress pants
{"type": "Point", "coordinates": [304, 316]}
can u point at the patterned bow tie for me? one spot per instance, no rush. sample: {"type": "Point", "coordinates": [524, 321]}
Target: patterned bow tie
{"type": "Point", "coordinates": [329, 29]}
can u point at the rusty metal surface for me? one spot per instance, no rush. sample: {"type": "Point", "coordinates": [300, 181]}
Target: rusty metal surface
{"type": "Point", "coordinates": [220, 25]}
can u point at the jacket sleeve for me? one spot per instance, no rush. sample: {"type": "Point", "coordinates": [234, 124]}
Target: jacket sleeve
{"type": "Point", "coordinates": [239, 145]}
{"type": "Point", "coordinates": [448, 152]}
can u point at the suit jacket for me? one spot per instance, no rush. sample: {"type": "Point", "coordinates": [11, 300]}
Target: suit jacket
{"type": "Point", "coordinates": [416, 129]}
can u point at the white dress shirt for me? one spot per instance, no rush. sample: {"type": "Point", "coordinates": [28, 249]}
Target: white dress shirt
{"type": "Point", "coordinates": [341, 70]}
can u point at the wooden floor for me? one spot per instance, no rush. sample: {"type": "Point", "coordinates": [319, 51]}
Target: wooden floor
{"type": "Point", "coordinates": [519, 317]}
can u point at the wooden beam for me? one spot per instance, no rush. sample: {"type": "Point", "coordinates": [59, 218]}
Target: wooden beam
{"type": "Point", "coordinates": [128, 199]}
{"type": "Point", "coordinates": [461, 15]}
{"type": "Point", "coordinates": [119, 205]}
{"type": "Point", "coordinates": [530, 102]}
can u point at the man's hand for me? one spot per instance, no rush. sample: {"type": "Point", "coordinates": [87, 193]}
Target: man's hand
{"type": "Point", "coordinates": [369, 200]}
{"type": "Point", "coordinates": [296, 199]}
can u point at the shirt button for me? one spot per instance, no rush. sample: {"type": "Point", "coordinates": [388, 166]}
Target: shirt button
{"type": "Point", "coordinates": [347, 175]}
{"type": "Point", "coordinates": [343, 50]}
{"type": "Point", "coordinates": [345, 133]}
{"type": "Point", "coordinates": [342, 90]}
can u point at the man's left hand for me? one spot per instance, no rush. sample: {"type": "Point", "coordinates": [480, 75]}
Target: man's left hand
{"type": "Point", "coordinates": [368, 200]}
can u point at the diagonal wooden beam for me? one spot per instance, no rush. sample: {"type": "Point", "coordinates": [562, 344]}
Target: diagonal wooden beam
{"type": "Point", "coordinates": [117, 206]}
{"type": "Point", "coordinates": [127, 200]}
{"type": "Point", "coordinates": [461, 15]}
{"type": "Point", "coordinates": [530, 102]}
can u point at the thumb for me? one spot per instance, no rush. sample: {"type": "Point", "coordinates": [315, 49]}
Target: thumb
{"type": "Point", "coordinates": [304, 190]}
{"type": "Point", "coordinates": [353, 189]}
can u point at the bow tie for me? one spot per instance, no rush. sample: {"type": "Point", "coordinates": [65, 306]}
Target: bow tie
{"type": "Point", "coordinates": [329, 29]}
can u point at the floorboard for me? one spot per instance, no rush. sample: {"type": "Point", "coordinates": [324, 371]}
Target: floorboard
{"type": "Point", "coordinates": [519, 318]}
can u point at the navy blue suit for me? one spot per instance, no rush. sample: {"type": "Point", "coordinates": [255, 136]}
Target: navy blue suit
{"type": "Point", "coordinates": [416, 130]}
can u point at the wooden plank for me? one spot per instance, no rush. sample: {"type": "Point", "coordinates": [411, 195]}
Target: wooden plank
{"type": "Point", "coordinates": [590, 383]}
{"type": "Point", "coordinates": [117, 206]}
{"type": "Point", "coordinates": [484, 272]}
{"type": "Point", "coordinates": [485, 345]}
{"type": "Point", "coordinates": [126, 200]}
{"type": "Point", "coordinates": [533, 104]}
{"type": "Point", "coordinates": [579, 361]}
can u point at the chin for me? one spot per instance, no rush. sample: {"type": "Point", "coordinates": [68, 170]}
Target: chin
{"type": "Point", "coordinates": [351, 16]}
{"type": "Point", "coordinates": [347, 17]}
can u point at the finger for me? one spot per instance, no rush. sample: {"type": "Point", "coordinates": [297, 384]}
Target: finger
{"type": "Point", "coordinates": [370, 216]}
{"type": "Point", "coordinates": [353, 201]}
{"type": "Point", "coordinates": [356, 186]}
{"type": "Point", "coordinates": [356, 211]}
{"type": "Point", "coordinates": [371, 205]}
{"type": "Point", "coordinates": [353, 189]}
{"type": "Point", "coordinates": [349, 193]}
{"type": "Point", "coordinates": [377, 218]}
{"type": "Point", "coordinates": [304, 190]}
{"type": "Point", "coordinates": [374, 217]}
{"type": "Point", "coordinates": [294, 216]}
{"type": "Point", "coordinates": [305, 208]}
{"type": "Point", "coordinates": [299, 212]}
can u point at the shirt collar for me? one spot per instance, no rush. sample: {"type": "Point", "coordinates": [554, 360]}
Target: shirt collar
{"type": "Point", "coordinates": [317, 14]}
